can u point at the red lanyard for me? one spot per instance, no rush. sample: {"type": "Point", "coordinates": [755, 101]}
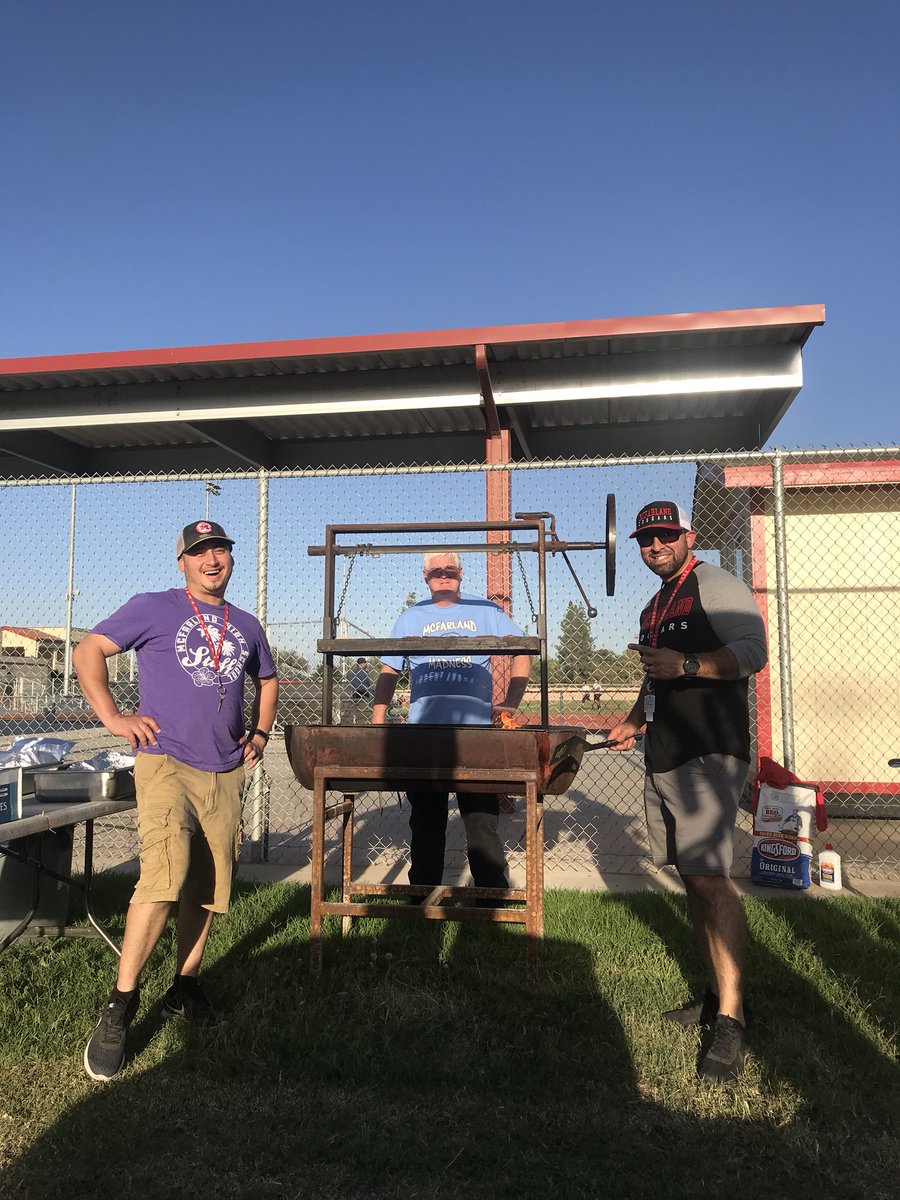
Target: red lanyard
{"type": "Point", "coordinates": [214, 650]}
{"type": "Point", "coordinates": [655, 625]}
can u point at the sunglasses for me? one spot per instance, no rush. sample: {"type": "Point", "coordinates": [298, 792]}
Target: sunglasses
{"type": "Point", "coordinates": [443, 573]}
{"type": "Point", "coordinates": [667, 536]}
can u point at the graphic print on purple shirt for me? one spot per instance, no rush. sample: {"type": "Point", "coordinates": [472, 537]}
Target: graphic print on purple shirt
{"type": "Point", "coordinates": [451, 689]}
{"type": "Point", "coordinates": [178, 682]}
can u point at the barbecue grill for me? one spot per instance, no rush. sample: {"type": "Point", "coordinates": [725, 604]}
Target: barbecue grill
{"type": "Point", "coordinates": [554, 755]}
{"type": "Point", "coordinates": [532, 761]}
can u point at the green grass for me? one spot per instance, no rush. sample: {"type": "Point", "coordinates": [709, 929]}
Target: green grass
{"type": "Point", "coordinates": [569, 708]}
{"type": "Point", "coordinates": [420, 1065]}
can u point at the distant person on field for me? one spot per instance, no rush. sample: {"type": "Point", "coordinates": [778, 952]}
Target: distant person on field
{"type": "Point", "coordinates": [361, 691]}
{"type": "Point", "coordinates": [194, 651]}
{"type": "Point", "coordinates": [701, 639]}
{"type": "Point", "coordinates": [360, 681]}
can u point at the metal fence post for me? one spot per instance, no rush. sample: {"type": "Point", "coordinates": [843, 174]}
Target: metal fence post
{"type": "Point", "coordinates": [70, 595]}
{"type": "Point", "coordinates": [262, 554]}
{"type": "Point", "coordinates": [784, 624]}
{"type": "Point", "coordinates": [259, 781]}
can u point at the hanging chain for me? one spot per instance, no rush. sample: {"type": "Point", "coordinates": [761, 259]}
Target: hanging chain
{"type": "Point", "coordinates": [340, 607]}
{"type": "Point", "coordinates": [518, 558]}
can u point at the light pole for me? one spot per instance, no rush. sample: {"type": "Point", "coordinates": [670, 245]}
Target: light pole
{"type": "Point", "coordinates": [211, 488]}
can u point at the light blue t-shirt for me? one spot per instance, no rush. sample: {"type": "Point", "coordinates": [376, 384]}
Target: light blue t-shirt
{"type": "Point", "coordinates": [451, 689]}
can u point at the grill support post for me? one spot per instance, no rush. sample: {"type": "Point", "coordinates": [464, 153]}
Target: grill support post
{"type": "Point", "coordinates": [532, 916]}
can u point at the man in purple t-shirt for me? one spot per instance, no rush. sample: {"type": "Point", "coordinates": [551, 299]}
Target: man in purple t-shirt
{"type": "Point", "coordinates": [194, 651]}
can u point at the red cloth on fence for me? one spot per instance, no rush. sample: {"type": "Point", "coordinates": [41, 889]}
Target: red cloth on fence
{"type": "Point", "coordinates": [780, 778]}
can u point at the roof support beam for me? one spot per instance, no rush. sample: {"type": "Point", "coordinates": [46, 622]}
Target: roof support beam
{"type": "Point", "coordinates": [238, 438]}
{"type": "Point", "coordinates": [498, 506]}
{"type": "Point", "coordinates": [488, 405]}
{"type": "Point", "coordinates": [45, 450]}
{"type": "Point", "coordinates": [519, 431]}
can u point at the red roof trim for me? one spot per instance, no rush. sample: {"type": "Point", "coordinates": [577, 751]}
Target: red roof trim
{"type": "Point", "coordinates": [743, 318]}
{"type": "Point", "coordinates": [824, 474]}
{"type": "Point", "coordinates": [32, 633]}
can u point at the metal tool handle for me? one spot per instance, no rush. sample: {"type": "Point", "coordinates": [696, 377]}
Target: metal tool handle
{"type": "Point", "coordinates": [565, 749]}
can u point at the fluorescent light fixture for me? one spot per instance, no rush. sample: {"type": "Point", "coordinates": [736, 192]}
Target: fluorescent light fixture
{"type": "Point", "coordinates": [348, 406]}
{"type": "Point", "coordinates": [660, 387]}
{"type": "Point", "coordinates": [246, 411]}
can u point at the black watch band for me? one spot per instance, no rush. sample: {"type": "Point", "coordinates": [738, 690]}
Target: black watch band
{"type": "Point", "coordinates": [258, 733]}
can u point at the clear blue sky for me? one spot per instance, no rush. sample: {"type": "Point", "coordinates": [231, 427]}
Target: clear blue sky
{"type": "Point", "coordinates": [198, 172]}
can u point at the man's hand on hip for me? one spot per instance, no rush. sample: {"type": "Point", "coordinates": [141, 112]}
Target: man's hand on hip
{"type": "Point", "coordinates": [140, 731]}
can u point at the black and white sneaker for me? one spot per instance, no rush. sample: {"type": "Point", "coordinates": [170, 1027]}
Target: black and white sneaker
{"type": "Point", "coordinates": [105, 1052]}
{"type": "Point", "coordinates": [188, 1002]}
{"type": "Point", "coordinates": [724, 1060]}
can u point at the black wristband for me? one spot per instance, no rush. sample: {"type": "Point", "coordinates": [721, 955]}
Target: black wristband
{"type": "Point", "coordinates": [261, 732]}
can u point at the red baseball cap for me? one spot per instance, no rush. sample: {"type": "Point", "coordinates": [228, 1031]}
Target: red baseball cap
{"type": "Point", "coordinates": [661, 514]}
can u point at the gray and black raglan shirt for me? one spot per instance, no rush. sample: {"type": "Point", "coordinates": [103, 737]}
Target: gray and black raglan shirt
{"type": "Point", "coordinates": [693, 717]}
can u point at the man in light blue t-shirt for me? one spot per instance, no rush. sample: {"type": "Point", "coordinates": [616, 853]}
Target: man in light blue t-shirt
{"type": "Point", "coordinates": [452, 690]}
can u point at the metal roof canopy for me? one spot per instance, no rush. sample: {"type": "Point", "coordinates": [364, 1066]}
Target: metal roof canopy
{"type": "Point", "coordinates": [682, 383]}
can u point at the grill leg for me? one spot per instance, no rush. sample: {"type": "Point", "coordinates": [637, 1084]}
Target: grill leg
{"type": "Point", "coordinates": [347, 859]}
{"type": "Point", "coordinates": [317, 877]}
{"type": "Point", "coordinates": [534, 879]}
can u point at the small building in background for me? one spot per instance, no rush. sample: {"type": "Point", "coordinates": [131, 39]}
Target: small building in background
{"type": "Point", "coordinates": [842, 530]}
{"type": "Point", "coordinates": [48, 645]}
{"type": "Point", "coordinates": [32, 668]}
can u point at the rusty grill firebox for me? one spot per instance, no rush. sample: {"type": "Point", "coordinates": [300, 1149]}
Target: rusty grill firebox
{"type": "Point", "coordinates": [532, 761]}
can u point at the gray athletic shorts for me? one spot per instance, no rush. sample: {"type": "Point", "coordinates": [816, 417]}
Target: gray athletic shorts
{"type": "Point", "coordinates": [691, 813]}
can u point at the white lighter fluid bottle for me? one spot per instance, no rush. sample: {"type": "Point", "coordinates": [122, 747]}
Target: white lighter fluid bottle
{"type": "Point", "coordinates": [830, 868]}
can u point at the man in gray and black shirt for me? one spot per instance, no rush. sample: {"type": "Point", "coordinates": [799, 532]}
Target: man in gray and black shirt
{"type": "Point", "coordinates": [701, 639]}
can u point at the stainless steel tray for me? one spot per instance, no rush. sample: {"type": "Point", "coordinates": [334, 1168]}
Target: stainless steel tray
{"type": "Point", "coordinates": [74, 785]}
{"type": "Point", "coordinates": [28, 774]}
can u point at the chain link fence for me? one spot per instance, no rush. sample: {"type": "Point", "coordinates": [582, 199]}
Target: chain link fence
{"type": "Point", "coordinates": [811, 532]}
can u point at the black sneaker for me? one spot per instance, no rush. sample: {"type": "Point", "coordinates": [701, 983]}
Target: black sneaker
{"type": "Point", "coordinates": [703, 1012]}
{"type": "Point", "coordinates": [188, 1002]}
{"type": "Point", "coordinates": [105, 1052]}
{"type": "Point", "coordinates": [695, 1012]}
{"type": "Point", "coordinates": [724, 1060]}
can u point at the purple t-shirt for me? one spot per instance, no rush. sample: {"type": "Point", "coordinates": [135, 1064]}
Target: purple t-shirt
{"type": "Point", "coordinates": [178, 683]}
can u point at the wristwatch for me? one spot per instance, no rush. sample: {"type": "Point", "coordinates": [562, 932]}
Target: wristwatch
{"type": "Point", "coordinates": [691, 667]}
{"type": "Point", "coordinates": [258, 733]}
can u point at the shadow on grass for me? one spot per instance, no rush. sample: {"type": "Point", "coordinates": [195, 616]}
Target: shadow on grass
{"type": "Point", "coordinates": [622, 841]}
{"type": "Point", "coordinates": [418, 1065]}
{"type": "Point", "coordinates": [801, 1035]}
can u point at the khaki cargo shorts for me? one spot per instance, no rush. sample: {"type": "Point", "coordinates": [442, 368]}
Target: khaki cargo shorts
{"type": "Point", "coordinates": [189, 824]}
